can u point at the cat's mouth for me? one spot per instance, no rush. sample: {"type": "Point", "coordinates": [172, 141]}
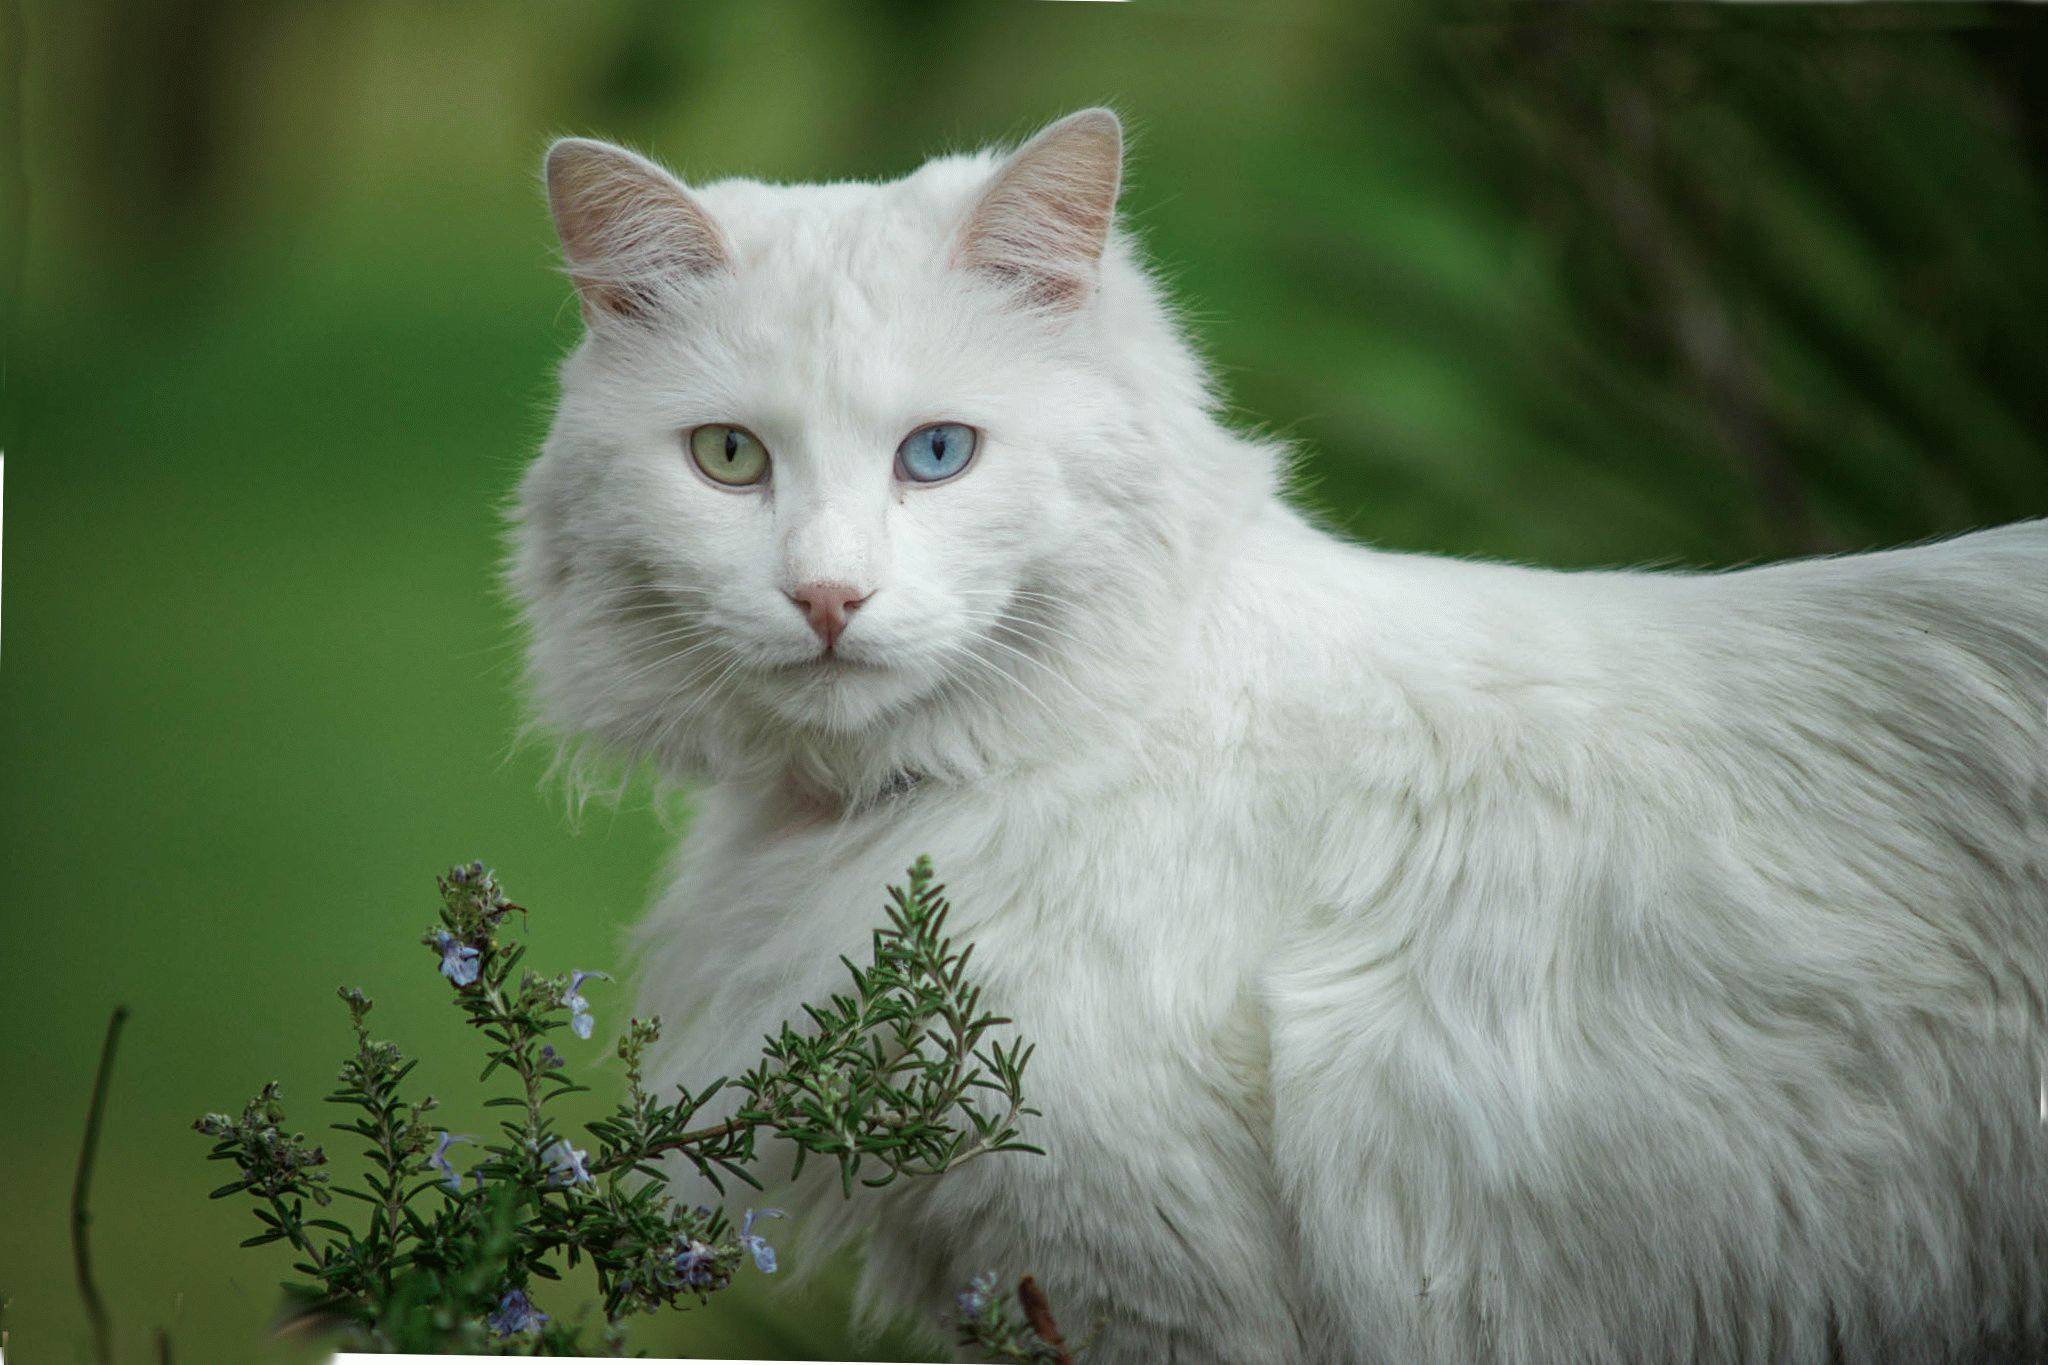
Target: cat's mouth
{"type": "Point", "coordinates": [829, 663]}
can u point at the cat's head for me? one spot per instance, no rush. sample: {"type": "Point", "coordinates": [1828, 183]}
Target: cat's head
{"type": "Point", "coordinates": [865, 473]}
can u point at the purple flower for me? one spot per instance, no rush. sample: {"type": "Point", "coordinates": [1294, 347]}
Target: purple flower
{"type": "Point", "coordinates": [697, 1265]}
{"type": "Point", "coordinates": [450, 1177]}
{"type": "Point", "coordinates": [515, 1314]}
{"type": "Point", "coordinates": [458, 959]}
{"type": "Point", "coordinates": [565, 1163]}
{"type": "Point", "coordinates": [580, 1020]}
{"type": "Point", "coordinates": [757, 1246]}
{"type": "Point", "coordinates": [573, 997]}
{"type": "Point", "coordinates": [975, 1297]}
{"type": "Point", "coordinates": [549, 1058]}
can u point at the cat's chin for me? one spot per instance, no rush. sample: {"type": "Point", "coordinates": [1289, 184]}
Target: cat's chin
{"type": "Point", "coordinates": [839, 694]}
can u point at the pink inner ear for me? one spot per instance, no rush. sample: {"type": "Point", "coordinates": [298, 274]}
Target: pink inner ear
{"type": "Point", "coordinates": [627, 227]}
{"type": "Point", "coordinates": [1044, 220]}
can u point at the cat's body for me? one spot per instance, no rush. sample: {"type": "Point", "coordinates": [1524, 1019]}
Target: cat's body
{"type": "Point", "coordinates": [1428, 960]}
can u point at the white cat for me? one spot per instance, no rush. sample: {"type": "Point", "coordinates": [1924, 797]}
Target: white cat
{"type": "Point", "coordinates": [1429, 960]}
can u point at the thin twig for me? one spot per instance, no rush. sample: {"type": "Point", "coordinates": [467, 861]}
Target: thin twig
{"type": "Point", "coordinates": [81, 1194]}
{"type": "Point", "coordinates": [1038, 1312]}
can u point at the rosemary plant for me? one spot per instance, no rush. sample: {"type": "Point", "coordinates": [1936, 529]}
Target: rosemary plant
{"type": "Point", "coordinates": [900, 1075]}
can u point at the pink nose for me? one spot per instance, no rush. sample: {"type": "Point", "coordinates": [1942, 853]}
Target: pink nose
{"type": "Point", "coordinates": [826, 606]}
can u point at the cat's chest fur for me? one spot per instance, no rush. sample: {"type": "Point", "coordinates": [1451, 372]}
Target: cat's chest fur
{"type": "Point", "coordinates": [1123, 905]}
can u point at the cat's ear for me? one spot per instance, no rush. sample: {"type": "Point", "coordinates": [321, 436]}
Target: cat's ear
{"type": "Point", "coordinates": [1045, 217]}
{"type": "Point", "coordinates": [629, 229]}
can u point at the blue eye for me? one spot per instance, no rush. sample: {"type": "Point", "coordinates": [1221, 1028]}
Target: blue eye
{"type": "Point", "coordinates": [936, 452]}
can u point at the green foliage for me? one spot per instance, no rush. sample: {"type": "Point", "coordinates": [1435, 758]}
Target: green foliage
{"type": "Point", "coordinates": [884, 1075]}
{"type": "Point", "coordinates": [898, 1076]}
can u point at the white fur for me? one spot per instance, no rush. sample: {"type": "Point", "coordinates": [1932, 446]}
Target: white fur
{"type": "Point", "coordinates": [1428, 959]}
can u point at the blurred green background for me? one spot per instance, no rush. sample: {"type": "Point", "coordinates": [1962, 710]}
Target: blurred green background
{"type": "Point", "coordinates": [1588, 286]}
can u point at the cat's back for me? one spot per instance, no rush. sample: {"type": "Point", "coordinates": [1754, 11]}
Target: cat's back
{"type": "Point", "coordinates": [1846, 753]}
{"type": "Point", "coordinates": [1975, 605]}
{"type": "Point", "coordinates": [1914, 680]}
{"type": "Point", "coordinates": [1485, 660]}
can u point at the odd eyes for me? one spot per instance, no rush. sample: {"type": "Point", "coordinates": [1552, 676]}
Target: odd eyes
{"type": "Point", "coordinates": [733, 456]}
{"type": "Point", "coordinates": [936, 452]}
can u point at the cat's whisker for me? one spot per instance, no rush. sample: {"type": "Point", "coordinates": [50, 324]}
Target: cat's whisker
{"type": "Point", "coordinates": [664, 600]}
{"type": "Point", "coordinates": [707, 692]}
{"type": "Point", "coordinates": [627, 612]}
{"type": "Point", "coordinates": [1017, 624]}
{"type": "Point", "coordinates": [966, 680]}
{"type": "Point", "coordinates": [1044, 667]}
{"type": "Point", "coordinates": [1006, 608]}
{"type": "Point", "coordinates": [668, 660]}
{"type": "Point", "coordinates": [1007, 612]}
{"type": "Point", "coordinates": [656, 743]}
{"type": "Point", "coordinates": [688, 681]}
{"type": "Point", "coordinates": [1054, 600]}
{"type": "Point", "coordinates": [689, 632]}
{"type": "Point", "coordinates": [1057, 716]}
{"type": "Point", "coordinates": [1010, 597]}
{"type": "Point", "coordinates": [707, 695]}
{"type": "Point", "coordinates": [966, 683]}
{"type": "Point", "coordinates": [1018, 630]}
{"type": "Point", "coordinates": [689, 641]}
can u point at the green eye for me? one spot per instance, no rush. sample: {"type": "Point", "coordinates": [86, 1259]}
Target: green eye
{"type": "Point", "coordinates": [729, 455]}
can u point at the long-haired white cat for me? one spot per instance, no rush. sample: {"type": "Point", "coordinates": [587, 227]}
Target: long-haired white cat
{"type": "Point", "coordinates": [1429, 960]}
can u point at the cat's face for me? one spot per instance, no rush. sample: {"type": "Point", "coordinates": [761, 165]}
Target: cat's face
{"type": "Point", "coordinates": [828, 450]}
